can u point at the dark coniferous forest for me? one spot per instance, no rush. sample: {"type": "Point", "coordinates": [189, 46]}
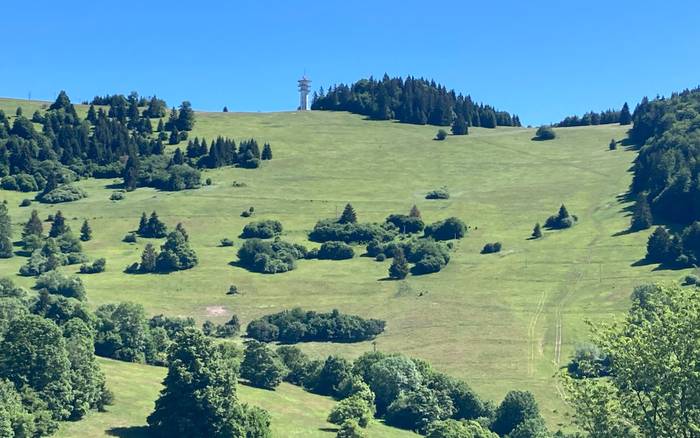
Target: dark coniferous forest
{"type": "Point", "coordinates": [410, 100]}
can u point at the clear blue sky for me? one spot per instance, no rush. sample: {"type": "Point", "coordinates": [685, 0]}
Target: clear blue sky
{"type": "Point", "coordinates": [540, 59]}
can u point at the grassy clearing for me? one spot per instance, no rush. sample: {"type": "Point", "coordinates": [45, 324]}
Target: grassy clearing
{"type": "Point", "coordinates": [499, 321]}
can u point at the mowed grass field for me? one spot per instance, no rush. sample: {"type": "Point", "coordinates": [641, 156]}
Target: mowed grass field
{"type": "Point", "coordinates": [501, 321]}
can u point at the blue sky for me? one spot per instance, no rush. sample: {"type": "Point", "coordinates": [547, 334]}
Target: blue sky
{"type": "Point", "coordinates": [540, 59]}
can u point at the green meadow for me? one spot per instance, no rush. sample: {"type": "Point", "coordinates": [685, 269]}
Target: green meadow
{"type": "Point", "coordinates": [499, 321]}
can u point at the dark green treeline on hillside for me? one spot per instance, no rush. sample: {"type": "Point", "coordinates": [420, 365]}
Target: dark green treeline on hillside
{"type": "Point", "coordinates": [410, 100]}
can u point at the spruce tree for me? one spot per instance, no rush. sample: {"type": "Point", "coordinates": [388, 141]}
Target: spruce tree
{"type": "Point", "coordinates": [625, 116]}
{"type": "Point", "coordinates": [225, 109]}
{"type": "Point", "coordinates": [85, 231]}
{"type": "Point", "coordinates": [58, 226]}
{"type": "Point", "coordinates": [613, 145]}
{"type": "Point", "coordinates": [459, 127]}
{"type": "Point", "coordinates": [148, 259]}
{"type": "Point", "coordinates": [349, 216]}
{"type": "Point", "coordinates": [399, 266]}
{"type": "Point", "coordinates": [174, 136]}
{"type": "Point", "coordinates": [537, 231]}
{"type": "Point", "coordinates": [33, 227]}
{"type": "Point", "coordinates": [660, 246]}
{"type": "Point", "coordinates": [641, 217]}
{"type": "Point", "coordinates": [143, 223]}
{"type": "Point", "coordinates": [131, 172]}
{"type": "Point", "coordinates": [178, 157]}
{"type": "Point", "coordinates": [92, 115]}
{"type": "Point", "coordinates": [5, 232]}
{"type": "Point", "coordinates": [18, 113]}
{"type": "Point", "coordinates": [185, 118]}
{"type": "Point", "coordinates": [160, 126]}
{"type": "Point", "coordinates": [414, 212]}
{"type": "Point", "coordinates": [266, 152]}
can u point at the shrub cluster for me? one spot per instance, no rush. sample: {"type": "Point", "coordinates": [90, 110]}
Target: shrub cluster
{"type": "Point", "coordinates": [680, 249]}
{"type": "Point", "coordinates": [332, 251]}
{"type": "Point", "coordinates": [332, 230]}
{"type": "Point", "coordinates": [448, 229]}
{"type": "Point", "coordinates": [406, 224]}
{"type": "Point", "coordinates": [175, 255]}
{"type": "Point", "coordinates": [270, 257]}
{"type": "Point", "coordinates": [545, 133]}
{"type": "Point", "coordinates": [561, 220]}
{"type": "Point", "coordinates": [490, 248]}
{"type": "Point", "coordinates": [21, 182]}
{"type": "Point", "coordinates": [228, 329]}
{"type": "Point", "coordinates": [96, 267]}
{"type": "Point", "coordinates": [152, 227]}
{"type": "Point", "coordinates": [265, 229]}
{"type": "Point", "coordinates": [64, 193]}
{"type": "Point", "coordinates": [298, 325]}
{"type": "Point", "coordinates": [441, 193]}
{"type": "Point", "coordinates": [427, 255]}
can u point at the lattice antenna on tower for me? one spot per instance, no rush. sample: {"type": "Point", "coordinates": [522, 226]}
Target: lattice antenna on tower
{"type": "Point", "coordinates": [304, 93]}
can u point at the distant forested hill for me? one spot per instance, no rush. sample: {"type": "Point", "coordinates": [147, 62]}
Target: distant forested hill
{"type": "Point", "coordinates": [410, 100]}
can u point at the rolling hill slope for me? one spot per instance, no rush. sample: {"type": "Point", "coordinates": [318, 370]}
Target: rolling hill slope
{"type": "Point", "coordinates": [501, 321]}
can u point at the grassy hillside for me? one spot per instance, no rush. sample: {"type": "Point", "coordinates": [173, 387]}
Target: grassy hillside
{"type": "Point", "coordinates": [500, 321]}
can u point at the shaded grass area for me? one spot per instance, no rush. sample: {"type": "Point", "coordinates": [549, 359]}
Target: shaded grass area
{"type": "Point", "coordinates": [500, 322]}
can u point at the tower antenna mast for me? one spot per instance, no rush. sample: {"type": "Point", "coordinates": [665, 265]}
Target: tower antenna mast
{"type": "Point", "coordinates": [304, 92]}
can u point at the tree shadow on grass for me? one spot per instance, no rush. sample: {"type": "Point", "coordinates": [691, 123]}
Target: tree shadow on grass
{"type": "Point", "coordinates": [329, 429]}
{"type": "Point", "coordinates": [114, 186]}
{"type": "Point", "coordinates": [129, 432]}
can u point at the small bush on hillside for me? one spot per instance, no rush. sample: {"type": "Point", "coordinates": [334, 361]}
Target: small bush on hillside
{"type": "Point", "coordinates": [64, 193]}
{"type": "Point", "coordinates": [226, 242]}
{"type": "Point", "coordinates": [691, 280]}
{"type": "Point", "coordinates": [441, 135]}
{"type": "Point", "coordinates": [491, 248]}
{"type": "Point", "coordinates": [25, 203]}
{"type": "Point", "coordinates": [117, 196]}
{"type": "Point", "coordinates": [545, 133]}
{"type": "Point", "coordinates": [441, 193]}
{"type": "Point", "coordinates": [129, 238]}
{"type": "Point", "coordinates": [96, 267]}
{"type": "Point", "coordinates": [262, 229]}
{"type": "Point", "coordinates": [380, 257]}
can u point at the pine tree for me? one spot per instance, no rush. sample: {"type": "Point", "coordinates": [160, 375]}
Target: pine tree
{"type": "Point", "coordinates": [625, 116]}
{"type": "Point", "coordinates": [537, 231]}
{"type": "Point", "coordinates": [225, 109]}
{"type": "Point", "coordinates": [18, 113]}
{"type": "Point", "coordinates": [33, 227]}
{"type": "Point", "coordinates": [661, 246]}
{"type": "Point", "coordinates": [131, 172]}
{"type": "Point", "coordinates": [143, 223]}
{"type": "Point", "coordinates": [5, 232]}
{"type": "Point", "coordinates": [613, 145]}
{"type": "Point", "coordinates": [641, 217]}
{"type": "Point", "coordinates": [349, 216]}
{"type": "Point", "coordinates": [58, 226]}
{"type": "Point", "coordinates": [178, 157]}
{"type": "Point", "coordinates": [399, 265]}
{"type": "Point", "coordinates": [185, 118]}
{"type": "Point", "coordinates": [563, 212]}
{"type": "Point", "coordinates": [160, 126]}
{"type": "Point", "coordinates": [148, 259]}
{"type": "Point", "coordinates": [414, 212]}
{"type": "Point", "coordinates": [266, 152]}
{"type": "Point", "coordinates": [174, 136]}
{"type": "Point", "coordinates": [85, 231]}
{"type": "Point", "coordinates": [92, 115]}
